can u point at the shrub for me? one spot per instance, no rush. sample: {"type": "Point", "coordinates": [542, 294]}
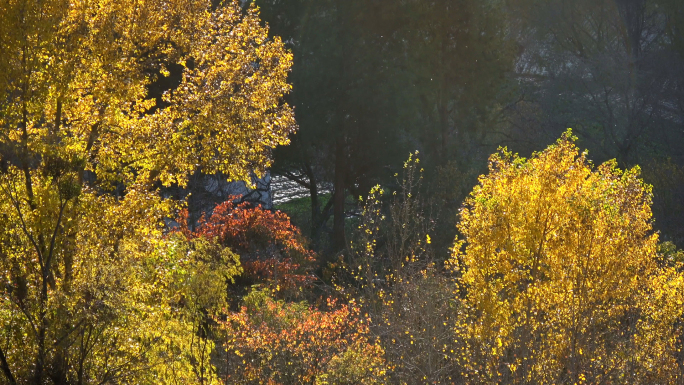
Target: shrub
{"type": "Point", "coordinates": [272, 250]}
{"type": "Point", "coordinates": [274, 342]}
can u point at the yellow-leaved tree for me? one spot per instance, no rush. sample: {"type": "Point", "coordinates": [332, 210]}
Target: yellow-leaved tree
{"type": "Point", "coordinates": [102, 101]}
{"type": "Point", "coordinates": [560, 276]}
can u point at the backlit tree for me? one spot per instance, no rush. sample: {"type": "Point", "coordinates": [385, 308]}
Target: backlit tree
{"type": "Point", "coordinates": [560, 275]}
{"type": "Point", "coordinates": [100, 101]}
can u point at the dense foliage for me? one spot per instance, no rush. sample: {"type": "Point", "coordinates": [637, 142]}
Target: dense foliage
{"type": "Point", "coordinates": [113, 113]}
{"type": "Point", "coordinates": [272, 250]}
{"type": "Point", "coordinates": [270, 341]}
{"type": "Point", "coordinates": [91, 290]}
{"type": "Point", "coordinates": [561, 275]}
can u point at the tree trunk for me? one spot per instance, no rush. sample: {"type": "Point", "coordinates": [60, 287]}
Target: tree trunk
{"type": "Point", "coordinates": [443, 129]}
{"type": "Point", "coordinates": [315, 204]}
{"type": "Point", "coordinates": [6, 369]}
{"type": "Point", "coordinates": [339, 241]}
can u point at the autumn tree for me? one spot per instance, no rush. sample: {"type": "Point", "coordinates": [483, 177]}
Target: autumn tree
{"type": "Point", "coordinates": [392, 271]}
{"type": "Point", "coordinates": [275, 342]}
{"type": "Point", "coordinates": [272, 251]}
{"type": "Point", "coordinates": [612, 70]}
{"type": "Point", "coordinates": [560, 275]}
{"type": "Point", "coordinates": [86, 133]}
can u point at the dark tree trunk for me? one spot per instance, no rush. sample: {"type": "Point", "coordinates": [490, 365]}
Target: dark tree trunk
{"type": "Point", "coordinates": [6, 369]}
{"type": "Point", "coordinates": [315, 204]}
{"type": "Point", "coordinates": [339, 241]}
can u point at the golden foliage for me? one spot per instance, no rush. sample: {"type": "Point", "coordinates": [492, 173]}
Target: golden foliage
{"type": "Point", "coordinates": [559, 267]}
{"type": "Point", "coordinates": [100, 101]}
{"type": "Point", "coordinates": [77, 77]}
{"type": "Point", "coordinates": [111, 296]}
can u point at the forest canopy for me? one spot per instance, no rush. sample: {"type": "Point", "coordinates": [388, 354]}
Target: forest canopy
{"type": "Point", "coordinates": [448, 226]}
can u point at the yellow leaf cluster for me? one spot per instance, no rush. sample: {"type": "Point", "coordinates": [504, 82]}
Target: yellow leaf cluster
{"type": "Point", "coordinates": [559, 266]}
{"type": "Point", "coordinates": [90, 82]}
{"type": "Point", "coordinates": [102, 101]}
